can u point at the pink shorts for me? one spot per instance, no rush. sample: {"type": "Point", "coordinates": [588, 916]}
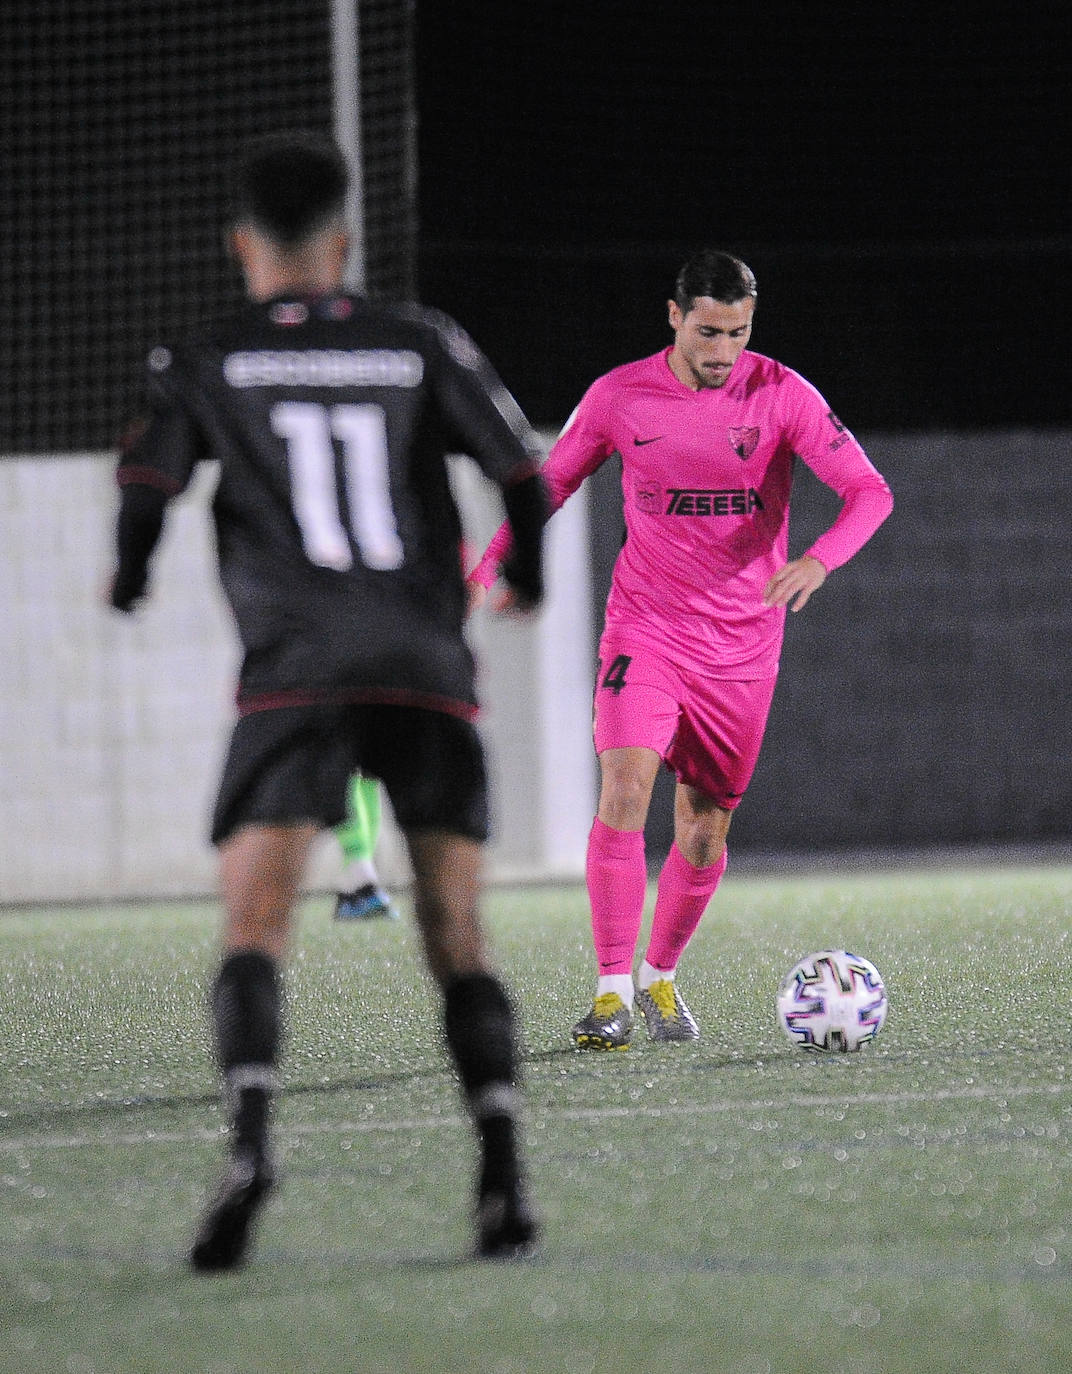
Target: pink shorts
{"type": "Point", "coordinates": [707, 730]}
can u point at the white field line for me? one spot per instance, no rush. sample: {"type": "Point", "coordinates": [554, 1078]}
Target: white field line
{"type": "Point", "coordinates": [679, 1109]}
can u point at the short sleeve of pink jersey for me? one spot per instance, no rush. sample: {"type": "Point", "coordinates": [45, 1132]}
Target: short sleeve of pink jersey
{"type": "Point", "coordinates": [578, 451]}
{"type": "Point", "coordinates": [821, 441]}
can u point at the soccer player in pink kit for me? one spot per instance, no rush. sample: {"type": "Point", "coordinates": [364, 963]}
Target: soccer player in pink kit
{"type": "Point", "coordinates": [707, 433]}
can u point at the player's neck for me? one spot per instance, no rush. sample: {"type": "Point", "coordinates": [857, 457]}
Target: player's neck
{"type": "Point", "coordinates": [296, 282]}
{"type": "Point", "coordinates": [312, 268]}
{"type": "Point", "coordinates": [682, 371]}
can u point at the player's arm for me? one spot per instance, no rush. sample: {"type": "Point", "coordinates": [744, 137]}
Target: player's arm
{"type": "Point", "coordinates": [838, 460]}
{"type": "Point", "coordinates": [138, 526]}
{"type": "Point", "coordinates": [527, 511]}
{"type": "Point", "coordinates": [154, 466]}
{"type": "Point", "coordinates": [485, 422]}
{"type": "Point", "coordinates": [866, 501]}
{"type": "Point", "coordinates": [578, 452]}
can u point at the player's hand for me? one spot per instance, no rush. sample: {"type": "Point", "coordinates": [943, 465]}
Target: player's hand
{"type": "Point", "coordinates": [505, 600]}
{"type": "Point", "coordinates": [117, 597]}
{"type": "Point", "coordinates": [510, 602]}
{"type": "Point", "coordinates": [792, 585]}
{"type": "Point", "coordinates": [475, 596]}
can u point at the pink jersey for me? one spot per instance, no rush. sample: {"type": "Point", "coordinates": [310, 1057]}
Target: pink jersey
{"type": "Point", "coordinates": [706, 477]}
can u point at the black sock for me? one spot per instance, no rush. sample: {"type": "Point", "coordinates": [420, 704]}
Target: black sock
{"type": "Point", "coordinates": [499, 1170]}
{"type": "Point", "coordinates": [250, 1108]}
{"type": "Point", "coordinates": [247, 1004]}
{"type": "Point", "coordinates": [479, 1025]}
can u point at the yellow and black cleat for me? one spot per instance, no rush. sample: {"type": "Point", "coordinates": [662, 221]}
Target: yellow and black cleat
{"type": "Point", "coordinates": [608, 1026]}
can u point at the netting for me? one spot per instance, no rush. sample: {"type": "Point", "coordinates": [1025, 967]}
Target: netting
{"type": "Point", "coordinates": [121, 121]}
{"type": "Point", "coordinates": [389, 147]}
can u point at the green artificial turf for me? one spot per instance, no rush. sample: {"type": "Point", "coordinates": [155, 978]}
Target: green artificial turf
{"type": "Point", "coordinates": [730, 1205]}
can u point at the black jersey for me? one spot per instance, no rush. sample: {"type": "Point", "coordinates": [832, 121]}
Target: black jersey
{"type": "Point", "coordinates": [338, 538]}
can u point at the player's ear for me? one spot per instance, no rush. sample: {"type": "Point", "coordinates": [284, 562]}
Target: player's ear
{"type": "Point", "coordinates": [675, 315]}
{"type": "Point", "coordinates": [340, 243]}
{"type": "Point", "coordinates": [236, 243]}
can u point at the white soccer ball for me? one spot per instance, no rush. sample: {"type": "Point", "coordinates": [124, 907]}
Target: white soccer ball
{"type": "Point", "coordinates": [832, 1000]}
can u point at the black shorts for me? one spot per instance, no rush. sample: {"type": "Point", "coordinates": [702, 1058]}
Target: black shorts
{"type": "Point", "coordinates": [293, 765]}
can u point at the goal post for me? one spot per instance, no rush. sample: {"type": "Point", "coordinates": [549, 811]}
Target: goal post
{"type": "Point", "coordinates": [374, 111]}
{"type": "Point", "coordinates": [346, 105]}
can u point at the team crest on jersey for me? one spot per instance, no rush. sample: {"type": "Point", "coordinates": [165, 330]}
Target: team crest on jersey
{"type": "Point", "coordinates": [743, 440]}
{"type": "Point", "coordinates": [289, 312]}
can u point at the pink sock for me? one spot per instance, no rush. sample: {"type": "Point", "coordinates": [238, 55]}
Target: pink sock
{"type": "Point", "coordinates": [617, 878]}
{"type": "Point", "coordinates": [680, 901]}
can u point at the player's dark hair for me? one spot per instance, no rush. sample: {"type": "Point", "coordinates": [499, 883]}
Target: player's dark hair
{"type": "Point", "coordinates": [290, 185]}
{"type": "Point", "coordinates": [716, 274]}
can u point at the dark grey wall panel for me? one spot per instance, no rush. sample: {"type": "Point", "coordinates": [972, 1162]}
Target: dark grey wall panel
{"type": "Point", "coordinates": [924, 694]}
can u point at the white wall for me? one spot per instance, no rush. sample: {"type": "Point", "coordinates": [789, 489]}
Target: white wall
{"type": "Point", "coordinates": [536, 690]}
{"type": "Point", "coordinates": [112, 728]}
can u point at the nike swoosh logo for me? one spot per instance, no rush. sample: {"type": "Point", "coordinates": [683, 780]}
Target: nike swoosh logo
{"type": "Point", "coordinates": [641, 442]}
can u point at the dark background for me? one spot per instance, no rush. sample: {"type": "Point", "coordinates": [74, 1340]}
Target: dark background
{"type": "Point", "coordinates": [897, 176]}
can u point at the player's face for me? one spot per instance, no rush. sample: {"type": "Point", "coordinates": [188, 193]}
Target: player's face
{"type": "Point", "coordinates": [709, 340]}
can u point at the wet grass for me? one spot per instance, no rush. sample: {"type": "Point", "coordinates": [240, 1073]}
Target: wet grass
{"type": "Point", "coordinates": [733, 1205]}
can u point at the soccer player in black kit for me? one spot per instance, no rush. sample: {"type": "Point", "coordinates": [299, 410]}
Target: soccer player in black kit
{"type": "Point", "coordinates": [338, 548]}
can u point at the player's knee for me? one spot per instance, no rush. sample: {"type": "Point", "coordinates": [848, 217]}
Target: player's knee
{"type": "Point", "coordinates": [622, 813]}
{"type": "Point", "coordinates": [702, 838]}
{"type": "Point", "coordinates": [624, 799]}
{"type": "Point", "coordinates": [628, 774]}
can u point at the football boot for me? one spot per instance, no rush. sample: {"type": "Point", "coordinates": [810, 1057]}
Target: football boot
{"type": "Point", "coordinates": [608, 1026]}
{"type": "Point", "coordinates": [365, 904]}
{"type": "Point", "coordinates": [227, 1227]}
{"type": "Point", "coordinates": [505, 1223]}
{"type": "Point", "coordinates": [667, 1016]}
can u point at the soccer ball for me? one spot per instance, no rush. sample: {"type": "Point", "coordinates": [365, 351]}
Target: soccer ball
{"type": "Point", "coordinates": [832, 1000]}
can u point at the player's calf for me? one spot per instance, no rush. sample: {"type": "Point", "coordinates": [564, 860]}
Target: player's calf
{"type": "Point", "coordinates": [246, 1005]}
{"type": "Point", "coordinates": [479, 1023]}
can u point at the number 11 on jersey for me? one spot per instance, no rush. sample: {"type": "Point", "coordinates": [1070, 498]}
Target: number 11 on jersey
{"type": "Point", "coordinates": [310, 431]}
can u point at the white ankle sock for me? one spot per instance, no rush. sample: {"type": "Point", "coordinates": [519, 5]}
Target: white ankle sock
{"type": "Point", "coordinates": [649, 975]}
{"type": "Point", "coordinates": [358, 873]}
{"type": "Point", "coordinates": [621, 983]}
